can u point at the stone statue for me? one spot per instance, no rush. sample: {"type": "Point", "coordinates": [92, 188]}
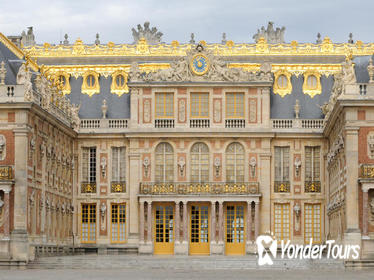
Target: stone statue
{"type": "Point", "coordinates": [104, 109]}
{"type": "Point", "coordinates": [134, 74]}
{"type": "Point", "coordinates": [297, 109]}
{"type": "Point", "coordinates": [272, 36]}
{"type": "Point", "coordinates": [28, 39]}
{"type": "Point", "coordinates": [24, 78]}
{"type": "Point", "coordinates": [151, 35]}
{"type": "Point", "coordinates": [349, 76]}
{"type": "Point", "coordinates": [75, 116]}
{"type": "Point", "coordinates": [372, 208]}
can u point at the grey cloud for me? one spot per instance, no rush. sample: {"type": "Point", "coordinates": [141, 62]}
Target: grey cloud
{"type": "Point", "coordinates": [177, 19]}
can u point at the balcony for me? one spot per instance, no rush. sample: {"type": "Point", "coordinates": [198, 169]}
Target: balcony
{"type": "Point", "coordinates": [6, 173]}
{"type": "Point", "coordinates": [199, 123]}
{"type": "Point", "coordinates": [118, 187]}
{"type": "Point", "coordinates": [164, 123]}
{"type": "Point", "coordinates": [88, 125]}
{"type": "Point", "coordinates": [367, 171]}
{"type": "Point", "coordinates": [312, 187]}
{"type": "Point", "coordinates": [234, 123]}
{"type": "Point", "coordinates": [88, 187]}
{"type": "Point", "coordinates": [209, 188]}
{"type": "Point", "coordinates": [282, 186]}
{"type": "Point", "coordinates": [305, 124]}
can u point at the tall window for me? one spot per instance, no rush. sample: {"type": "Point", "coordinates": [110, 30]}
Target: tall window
{"type": "Point", "coordinates": [89, 165]}
{"type": "Point", "coordinates": [199, 163]}
{"type": "Point", "coordinates": [235, 163]}
{"type": "Point", "coordinates": [282, 169]}
{"type": "Point", "coordinates": [312, 223]}
{"type": "Point", "coordinates": [235, 105]}
{"type": "Point", "coordinates": [118, 164]}
{"type": "Point", "coordinates": [312, 163]}
{"type": "Point", "coordinates": [88, 231]}
{"type": "Point", "coordinates": [164, 105]}
{"type": "Point", "coordinates": [118, 225]}
{"type": "Point", "coordinates": [199, 105]}
{"type": "Point", "coordinates": [164, 163]}
{"type": "Point", "coordinates": [282, 220]}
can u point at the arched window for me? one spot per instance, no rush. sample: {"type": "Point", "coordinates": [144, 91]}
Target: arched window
{"type": "Point", "coordinates": [199, 163]}
{"type": "Point", "coordinates": [164, 163]}
{"type": "Point", "coordinates": [120, 80]}
{"type": "Point", "coordinates": [90, 80]}
{"type": "Point", "coordinates": [62, 80]}
{"type": "Point", "coordinates": [282, 81]}
{"type": "Point", "coordinates": [312, 82]}
{"type": "Point", "coordinates": [235, 163]}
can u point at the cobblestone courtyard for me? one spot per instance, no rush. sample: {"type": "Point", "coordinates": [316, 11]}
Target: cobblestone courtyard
{"type": "Point", "coordinates": [108, 267]}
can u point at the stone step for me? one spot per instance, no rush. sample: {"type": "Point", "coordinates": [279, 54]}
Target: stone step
{"type": "Point", "coordinates": [176, 262]}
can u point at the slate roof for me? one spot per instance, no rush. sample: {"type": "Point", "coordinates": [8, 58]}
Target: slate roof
{"type": "Point", "coordinates": [12, 64]}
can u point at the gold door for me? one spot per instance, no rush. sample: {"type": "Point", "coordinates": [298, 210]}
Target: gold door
{"type": "Point", "coordinates": [164, 229]}
{"type": "Point", "coordinates": [235, 230]}
{"type": "Point", "coordinates": [199, 230]}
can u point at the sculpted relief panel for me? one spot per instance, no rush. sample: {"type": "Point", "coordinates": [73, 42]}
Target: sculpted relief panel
{"type": "Point", "coordinates": [217, 107]}
{"type": "Point", "coordinates": [199, 65]}
{"type": "Point", "coordinates": [147, 110]}
{"type": "Point", "coordinates": [182, 110]}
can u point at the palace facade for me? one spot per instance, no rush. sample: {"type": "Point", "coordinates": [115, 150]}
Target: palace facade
{"type": "Point", "coordinates": [184, 148]}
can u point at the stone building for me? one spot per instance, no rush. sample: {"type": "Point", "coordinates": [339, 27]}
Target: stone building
{"type": "Point", "coordinates": [185, 148]}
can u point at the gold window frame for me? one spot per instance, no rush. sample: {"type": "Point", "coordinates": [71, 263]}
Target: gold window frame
{"type": "Point", "coordinates": [200, 96]}
{"type": "Point", "coordinates": [282, 91]}
{"type": "Point", "coordinates": [235, 96]}
{"type": "Point", "coordinates": [311, 222]}
{"type": "Point", "coordinates": [164, 103]}
{"type": "Point", "coordinates": [117, 89]}
{"type": "Point", "coordinates": [115, 215]}
{"type": "Point", "coordinates": [66, 89]}
{"type": "Point", "coordinates": [90, 90]}
{"type": "Point", "coordinates": [309, 90]}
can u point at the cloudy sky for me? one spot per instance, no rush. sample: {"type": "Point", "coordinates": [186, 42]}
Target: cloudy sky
{"type": "Point", "coordinates": [208, 19]}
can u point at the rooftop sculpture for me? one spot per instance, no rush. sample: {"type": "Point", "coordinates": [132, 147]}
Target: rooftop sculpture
{"type": "Point", "coordinates": [152, 35]}
{"type": "Point", "coordinates": [272, 36]}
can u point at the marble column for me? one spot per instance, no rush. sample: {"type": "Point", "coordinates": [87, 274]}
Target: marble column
{"type": "Point", "coordinates": [6, 213]}
{"type": "Point", "coordinates": [141, 221]}
{"type": "Point", "coordinates": [185, 222]}
{"type": "Point", "coordinates": [149, 221]}
{"type": "Point", "coordinates": [249, 221]}
{"type": "Point", "coordinates": [213, 222]}
{"type": "Point", "coordinates": [220, 222]}
{"type": "Point", "coordinates": [257, 218]}
{"type": "Point", "coordinates": [177, 219]}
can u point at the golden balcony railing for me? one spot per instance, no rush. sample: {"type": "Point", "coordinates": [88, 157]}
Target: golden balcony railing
{"type": "Point", "coordinates": [6, 173]}
{"type": "Point", "coordinates": [118, 187]}
{"type": "Point", "coordinates": [88, 187]}
{"type": "Point", "coordinates": [367, 171]}
{"type": "Point", "coordinates": [282, 186]}
{"type": "Point", "coordinates": [312, 186]}
{"type": "Point", "coordinates": [191, 188]}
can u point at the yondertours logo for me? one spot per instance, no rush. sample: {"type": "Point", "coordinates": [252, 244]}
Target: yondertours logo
{"type": "Point", "coordinates": [267, 250]}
